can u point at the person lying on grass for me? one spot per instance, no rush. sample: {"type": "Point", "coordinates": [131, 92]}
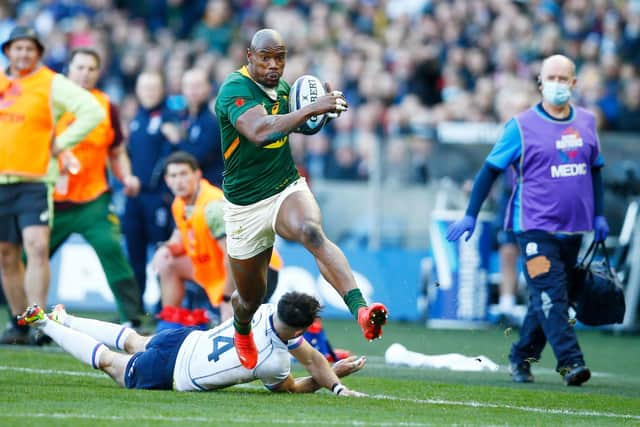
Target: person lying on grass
{"type": "Point", "coordinates": [192, 360]}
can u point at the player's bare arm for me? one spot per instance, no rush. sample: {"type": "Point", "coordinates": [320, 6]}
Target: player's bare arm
{"type": "Point", "coordinates": [261, 128]}
{"type": "Point", "coordinates": [322, 374]}
{"type": "Point", "coordinates": [121, 167]}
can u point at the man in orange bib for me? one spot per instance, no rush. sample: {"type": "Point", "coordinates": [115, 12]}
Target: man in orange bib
{"type": "Point", "coordinates": [197, 249]}
{"type": "Point", "coordinates": [83, 198]}
{"type": "Point", "coordinates": [32, 99]}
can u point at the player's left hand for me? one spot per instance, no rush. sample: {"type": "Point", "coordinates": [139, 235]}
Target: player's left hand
{"type": "Point", "coordinates": [348, 366]}
{"type": "Point", "coordinates": [600, 228]}
{"type": "Point", "coordinates": [341, 100]}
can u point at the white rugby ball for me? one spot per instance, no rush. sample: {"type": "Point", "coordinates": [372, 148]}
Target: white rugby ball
{"type": "Point", "coordinates": [305, 90]}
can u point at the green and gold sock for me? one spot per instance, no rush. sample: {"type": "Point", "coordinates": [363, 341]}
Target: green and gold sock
{"type": "Point", "coordinates": [355, 301]}
{"type": "Point", "coordinates": [241, 327]}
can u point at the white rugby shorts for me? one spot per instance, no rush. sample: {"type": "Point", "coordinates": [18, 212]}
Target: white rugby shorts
{"type": "Point", "coordinates": [251, 228]}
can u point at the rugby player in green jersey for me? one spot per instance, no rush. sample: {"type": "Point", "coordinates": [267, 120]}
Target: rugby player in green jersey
{"type": "Point", "coordinates": [265, 194]}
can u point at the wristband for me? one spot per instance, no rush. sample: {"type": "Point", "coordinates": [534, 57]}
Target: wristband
{"type": "Point", "coordinates": [226, 298]}
{"type": "Point", "coordinates": [337, 388]}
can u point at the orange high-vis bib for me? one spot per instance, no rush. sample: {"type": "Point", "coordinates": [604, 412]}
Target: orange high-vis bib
{"type": "Point", "coordinates": [26, 123]}
{"type": "Point", "coordinates": [276, 263]}
{"type": "Point", "coordinates": [92, 153]}
{"type": "Point", "coordinates": [206, 256]}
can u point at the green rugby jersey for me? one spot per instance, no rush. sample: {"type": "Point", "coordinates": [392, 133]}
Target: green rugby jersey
{"type": "Point", "coordinates": [252, 173]}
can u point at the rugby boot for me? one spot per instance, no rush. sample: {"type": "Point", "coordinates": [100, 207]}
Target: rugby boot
{"type": "Point", "coordinates": [246, 349]}
{"type": "Point", "coordinates": [371, 319]}
{"type": "Point", "coordinates": [33, 315]}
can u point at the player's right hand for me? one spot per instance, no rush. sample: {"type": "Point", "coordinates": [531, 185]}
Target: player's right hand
{"type": "Point", "coordinates": [351, 393]}
{"type": "Point", "coordinates": [458, 228]}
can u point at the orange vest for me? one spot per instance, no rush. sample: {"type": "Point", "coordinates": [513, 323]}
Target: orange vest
{"type": "Point", "coordinates": [26, 120]}
{"type": "Point", "coordinates": [276, 263]}
{"type": "Point", "coordinates": [92, 153]}
{"type": "Point", "coordinates": [206, 256]}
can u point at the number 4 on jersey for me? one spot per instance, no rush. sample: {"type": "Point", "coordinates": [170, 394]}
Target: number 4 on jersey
{"type": "Point", "coordinates": [220, 346]}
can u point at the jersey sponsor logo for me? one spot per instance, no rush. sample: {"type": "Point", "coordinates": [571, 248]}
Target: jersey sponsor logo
{"type": "Point", "coordinates": [194, 133]}
{"type": "Point", "coordinates": [9, 96]}
{"type": "Point", "coordinates": [531, 248]}
{"type": "Point", "coordinates": [11, 117]}
{"type": "Point", "coordinates": [568, 170]}
{"type": "Point", "coordinates": [569, 144]}
{"type": "Point", "coordinates": [154, 124]}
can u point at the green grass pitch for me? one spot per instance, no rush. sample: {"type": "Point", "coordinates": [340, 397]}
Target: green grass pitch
{"type": "Point", "coordinates": [48, 387]}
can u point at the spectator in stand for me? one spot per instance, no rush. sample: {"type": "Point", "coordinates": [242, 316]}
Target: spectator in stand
{"type": "Point", "coordinates": [629, 116]}
{"type": "Point", "coordinates": [147, 220]}
{"type": "Point", "coordinates": [215, 32]}
{"type": "Point", "coordinates": [460, 52]}
{"type": "Point", "coordinates": [198, 133]}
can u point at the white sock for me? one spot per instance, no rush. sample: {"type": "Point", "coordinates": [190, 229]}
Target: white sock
{"type": "Point", "coordinates": [81, 346]}
{"type": "Point", "coordinates": [506, 303]}
{"type": "Point", "coordinates": [111, 334]}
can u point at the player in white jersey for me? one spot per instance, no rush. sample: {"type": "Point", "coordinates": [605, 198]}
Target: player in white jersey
{"type": "Point", "coordinates": [189, 360]}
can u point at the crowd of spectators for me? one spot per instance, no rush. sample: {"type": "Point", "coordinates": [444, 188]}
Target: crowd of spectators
{"type": "Point", "coordinates": [405, 65]}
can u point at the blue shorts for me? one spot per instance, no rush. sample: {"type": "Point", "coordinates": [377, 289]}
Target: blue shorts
{"type": "Point", "coordinates": [507, 237]}
{"type": "Point", "coordinates": [152, 369]}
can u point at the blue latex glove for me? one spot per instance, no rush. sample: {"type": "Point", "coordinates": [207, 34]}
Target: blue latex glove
{"type": "Point", "coordinates": [600, 228]}
{"type": "Point", "coordinates": [458, 228]}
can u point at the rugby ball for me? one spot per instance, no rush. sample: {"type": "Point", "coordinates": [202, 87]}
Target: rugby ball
{"type": "Point", "coordinates": [305, 90]}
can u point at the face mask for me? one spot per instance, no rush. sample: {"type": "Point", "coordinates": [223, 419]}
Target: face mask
{"type": "Point", "coordinates": [556, 93]}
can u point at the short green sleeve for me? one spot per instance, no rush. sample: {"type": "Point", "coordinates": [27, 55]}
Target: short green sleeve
{"type": "Point", "coordinates": [234, 99]}
{"type": "Point", "coordinates": [214, 215]}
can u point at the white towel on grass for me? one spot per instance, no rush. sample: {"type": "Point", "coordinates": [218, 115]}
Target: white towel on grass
{"type": "Point", "coordinates": [398, 355]}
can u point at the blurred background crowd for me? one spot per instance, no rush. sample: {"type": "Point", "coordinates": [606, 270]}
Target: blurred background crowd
{"type": "Point", "coordinates": [406, 66]}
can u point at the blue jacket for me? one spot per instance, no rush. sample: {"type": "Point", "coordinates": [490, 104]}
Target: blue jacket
{"type": "Point", "coordinates": [148, 147]}
{"type": "Point", "coordinates": [202, 140]}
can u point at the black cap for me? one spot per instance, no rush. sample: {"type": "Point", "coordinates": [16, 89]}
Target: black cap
{"type": "Point", "coordinates": [22, 32]}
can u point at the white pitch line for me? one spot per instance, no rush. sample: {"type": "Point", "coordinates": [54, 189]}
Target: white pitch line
{"type": "Point", "coordinates": [235, 420]}
{"type": "Point", "coordinates": [54, 372]}
{"type": "Point", "coordinates": [470, 403]}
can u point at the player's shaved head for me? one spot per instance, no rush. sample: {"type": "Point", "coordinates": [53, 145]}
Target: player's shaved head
{"type": "Point", "coordinates": [266, 57]}
{"type": "Point", "coordinates": [557, 62]}
{"type": "Point", "coordinates": [267, 38]}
